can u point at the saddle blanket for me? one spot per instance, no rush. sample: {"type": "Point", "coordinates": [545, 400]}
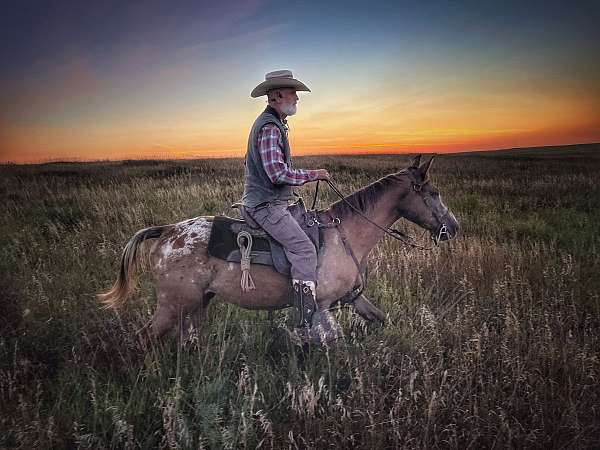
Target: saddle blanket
{"type": "Point", "coordinates": [265, 250]}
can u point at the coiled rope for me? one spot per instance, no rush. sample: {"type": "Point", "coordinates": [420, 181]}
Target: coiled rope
{"type": "Point", "coordinates": [246, 282]}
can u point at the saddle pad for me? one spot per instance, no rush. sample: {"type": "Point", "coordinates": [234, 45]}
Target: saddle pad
{"type": "Point", "coordinates": [223, 241]}
{"type": "Point", "coordinates": [265, 250]}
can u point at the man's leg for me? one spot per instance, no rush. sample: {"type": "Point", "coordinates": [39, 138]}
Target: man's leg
{"type": "Point", "coordinates": [276, 220]}
{"type": "Point", "coordinates": [300, 251]}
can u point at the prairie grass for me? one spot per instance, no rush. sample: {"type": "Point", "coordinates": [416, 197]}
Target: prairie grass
{"type": "Point", "coordinates": [492, 340]}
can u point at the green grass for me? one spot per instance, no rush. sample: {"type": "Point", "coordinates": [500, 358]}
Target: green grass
{"type": "Point", "coordinates": [492, 340]}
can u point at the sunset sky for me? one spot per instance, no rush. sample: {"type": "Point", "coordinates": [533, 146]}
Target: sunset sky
{"type": "Point", "coordinates": [115, 80]}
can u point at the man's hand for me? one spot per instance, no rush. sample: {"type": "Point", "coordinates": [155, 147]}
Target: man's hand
{"type": "Point", "coordinates": [322, 174]}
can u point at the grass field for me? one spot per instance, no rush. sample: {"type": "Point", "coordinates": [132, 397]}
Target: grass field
{"type": "Point", "coordinates": [491, 341]}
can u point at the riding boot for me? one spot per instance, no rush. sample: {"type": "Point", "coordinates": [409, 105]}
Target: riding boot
{"type": "Point", "coordinates": [304, 301]}
{"type": "Point", "coordinates": [315, 326]}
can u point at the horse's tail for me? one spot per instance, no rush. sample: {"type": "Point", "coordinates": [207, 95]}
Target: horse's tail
{"type": "Point", "coordinates": [117, 296]}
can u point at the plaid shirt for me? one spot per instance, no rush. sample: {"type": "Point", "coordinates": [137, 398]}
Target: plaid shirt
{"type": "Point", "coordinates": [270, 145]}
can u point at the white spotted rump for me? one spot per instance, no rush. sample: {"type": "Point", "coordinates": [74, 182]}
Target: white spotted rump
{"type": "Point", "coordinates": [187, 234]}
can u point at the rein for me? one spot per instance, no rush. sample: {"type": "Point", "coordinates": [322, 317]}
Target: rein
{"type": "Point", "coordinates": [336, 222]}
{"type": "Point", "coordinates": [393, 232]}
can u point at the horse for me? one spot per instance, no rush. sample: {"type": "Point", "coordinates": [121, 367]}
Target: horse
{"type": "Point", "coordinates": [187, 277]}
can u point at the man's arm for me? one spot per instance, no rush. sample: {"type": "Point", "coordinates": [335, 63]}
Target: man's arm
{"type": "Point", "coordinates": [272, 159]}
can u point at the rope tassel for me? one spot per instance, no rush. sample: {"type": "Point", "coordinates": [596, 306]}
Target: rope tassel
{"type": "Point", "coordinates": [246, 282]}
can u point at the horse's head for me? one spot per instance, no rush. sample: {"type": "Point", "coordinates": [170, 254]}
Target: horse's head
{"type": "Point", "coordinates": [423, 205]}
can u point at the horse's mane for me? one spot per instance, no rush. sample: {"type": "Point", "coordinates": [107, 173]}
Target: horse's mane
{"type": "Point", "coordinates": [364, 199]}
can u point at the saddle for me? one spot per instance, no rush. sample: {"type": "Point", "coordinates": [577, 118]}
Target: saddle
{"type": "Point", "coordinates": [223, 242]}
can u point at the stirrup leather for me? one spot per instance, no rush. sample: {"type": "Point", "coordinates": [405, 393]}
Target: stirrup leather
{"type": "Point", "coordinates": [304, 300]}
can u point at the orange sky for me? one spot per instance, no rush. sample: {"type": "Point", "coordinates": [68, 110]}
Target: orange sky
{"type": "Point", "coordinates": [399, 119]}
{"type": "Point", "coordinates": [444, 81]}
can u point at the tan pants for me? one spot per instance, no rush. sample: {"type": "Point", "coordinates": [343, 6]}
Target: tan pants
{"type": "Point", "coordinates": [276, 220]}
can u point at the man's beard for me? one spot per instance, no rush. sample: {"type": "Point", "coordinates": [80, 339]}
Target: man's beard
{"type": "Point", "coordinates": [289, 109]}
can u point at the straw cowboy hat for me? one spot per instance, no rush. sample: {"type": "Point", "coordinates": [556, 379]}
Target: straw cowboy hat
{"type": "Point", "coordinates": [276, 80]}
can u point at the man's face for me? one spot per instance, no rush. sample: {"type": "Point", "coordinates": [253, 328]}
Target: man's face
{"type": "Point", "coordinates": [288, 101]}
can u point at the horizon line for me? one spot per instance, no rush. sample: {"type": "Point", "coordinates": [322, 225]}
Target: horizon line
{"type": "Point", "coordinates": [158, 158]}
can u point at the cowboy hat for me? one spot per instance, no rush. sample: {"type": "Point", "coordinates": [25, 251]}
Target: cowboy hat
{"type": "Point", "coordinates": [276, 80]}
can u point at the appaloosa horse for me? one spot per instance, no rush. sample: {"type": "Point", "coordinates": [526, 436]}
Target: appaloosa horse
{"type": "Point", "coordinates": [187, 277]}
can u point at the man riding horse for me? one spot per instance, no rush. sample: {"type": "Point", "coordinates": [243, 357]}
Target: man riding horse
{"type": "Point", "coordinates": [269, 178]}
{"type": "Point", "coordinates": [187, 276]}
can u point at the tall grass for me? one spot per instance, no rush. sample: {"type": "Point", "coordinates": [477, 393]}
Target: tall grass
{"type": "Point", "coordinates": [492, 341]}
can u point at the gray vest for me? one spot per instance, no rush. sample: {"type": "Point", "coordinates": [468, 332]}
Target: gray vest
{"type": "Point", "coordinates": [258, 188]}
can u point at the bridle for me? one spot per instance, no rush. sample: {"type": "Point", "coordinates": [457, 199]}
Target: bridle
{"type": "Point", "coordinates": [443, 231]}
{"type": "Point", "coordinates": [394, 232]}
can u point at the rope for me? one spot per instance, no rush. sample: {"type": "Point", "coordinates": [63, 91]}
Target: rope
{"type": "Point", "coordinates": [246, 282]}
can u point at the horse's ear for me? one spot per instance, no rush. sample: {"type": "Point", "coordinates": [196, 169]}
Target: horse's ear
{"type": "Point", "coordinates": [425, 167]}
{"type": "Point", "coordinates": [416, 161]}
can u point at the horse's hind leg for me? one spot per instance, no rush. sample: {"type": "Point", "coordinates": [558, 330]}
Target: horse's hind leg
{"type": "Point", "coordinates": [164, 318]}
{"type": "Point", "coordinates": [197, 313]}
{"type": "Point", "coordinates": [192, 323]}
{"type": "Point", "coordinates": [162, 321]}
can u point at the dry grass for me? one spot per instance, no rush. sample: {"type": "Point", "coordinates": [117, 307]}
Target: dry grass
{"type": "Point", "coordinates": [491, 342]}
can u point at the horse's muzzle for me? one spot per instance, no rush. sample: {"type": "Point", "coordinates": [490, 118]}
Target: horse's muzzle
{"type": "Point", "coordinates": [447, 230]}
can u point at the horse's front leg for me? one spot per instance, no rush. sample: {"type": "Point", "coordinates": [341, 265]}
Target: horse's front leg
{"type": "Point", "coordinates": [325, 328]}
{"type": "Point", "coordinates": [367, 310]}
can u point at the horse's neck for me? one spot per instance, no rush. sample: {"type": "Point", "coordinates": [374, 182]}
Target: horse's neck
{"type": "Point", "coordinates": [361, 235]}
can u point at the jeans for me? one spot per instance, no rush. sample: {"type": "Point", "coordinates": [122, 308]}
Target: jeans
{"type": "Point", "coordinates": [276, 220]}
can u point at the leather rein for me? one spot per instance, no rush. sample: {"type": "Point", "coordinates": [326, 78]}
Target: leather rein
{"type": "Point", "coordinates": [393, 232]}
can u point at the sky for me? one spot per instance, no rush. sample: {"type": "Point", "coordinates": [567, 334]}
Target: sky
{"type": "Point", "coordinates": [157, 79]}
